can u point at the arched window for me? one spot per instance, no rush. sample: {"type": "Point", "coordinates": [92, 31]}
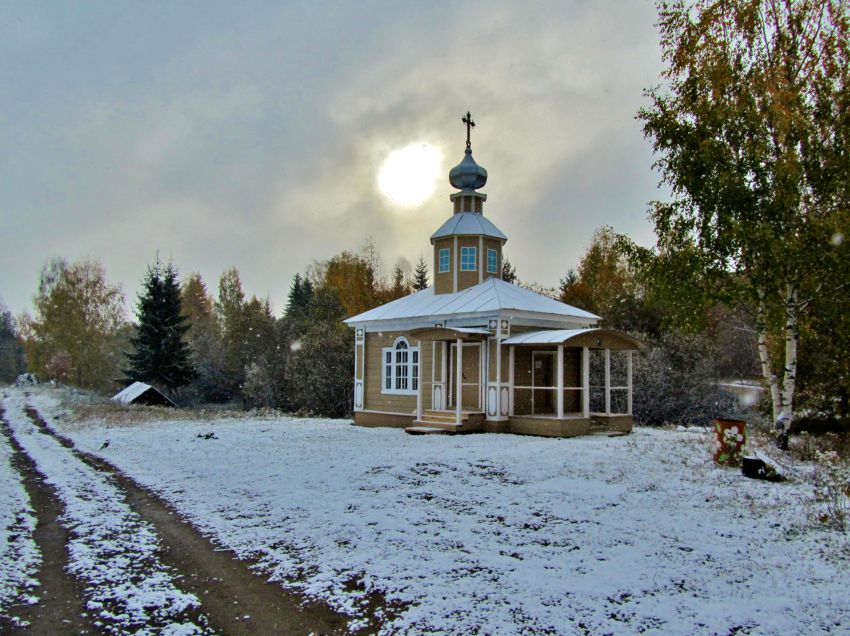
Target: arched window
{"type": "Point", "coordinates": [400, 369]}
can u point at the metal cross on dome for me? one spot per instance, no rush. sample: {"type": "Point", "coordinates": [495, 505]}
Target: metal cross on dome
{"type": "Point", "coordinates": [469, 126]}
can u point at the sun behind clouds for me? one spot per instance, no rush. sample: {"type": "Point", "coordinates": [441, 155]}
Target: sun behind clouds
{"type": "Point", "coordinates": [409, 175]}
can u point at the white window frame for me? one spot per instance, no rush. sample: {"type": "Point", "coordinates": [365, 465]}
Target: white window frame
{"type": "Point", "coordinates": [448, 264]}
{"type": "Point", "coordinates": [495, 255]}
{"type": "Point", "coordinates": [400, 368]}
{"type": "Point", "coordinates": [465, 262]}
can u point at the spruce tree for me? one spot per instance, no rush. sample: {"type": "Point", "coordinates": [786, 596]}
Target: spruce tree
{"type": "Point", "coordinates": [161, 354]}
{"type": "Point", "coordinates": [420, 277]}
{"type": "Point", "coordinates": [508, 271]}
{"type": "Point", "coordinates": [399, 288]}
{"type": "Point", "coordinates": [300, 295]}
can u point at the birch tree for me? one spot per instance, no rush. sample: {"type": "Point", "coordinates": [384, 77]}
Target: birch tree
{"type": "Point", "coordinates": [77, 326]}
{"type": "Point", "coordinates": [750, 129]}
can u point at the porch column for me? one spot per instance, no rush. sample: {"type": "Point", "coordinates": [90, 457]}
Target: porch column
{"type": "Point", "coordinates": [498, 375]}
{"type": "Point", "coordinates": [459, 383]}
{"type": "Point", "coordinates": [444, 375]}
{"type": "Point", "coordinates": [607, 382]}
{"type": "Point", "coordinates": [483, 375]}
{"type": "Point", "coordinates": [629, 382]}
{"type": "Point", "coordinates": [511, 380]}
{"type": "Point", "coordinates": [560, 400]}
{"type": "Point", "coordinates": [419, 383]}
{"type": "Point", "coordinates": [585, 382]}
{"type": "Point", "coordinates": [433, 373]}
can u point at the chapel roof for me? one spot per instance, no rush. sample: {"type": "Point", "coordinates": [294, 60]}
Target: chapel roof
{"type": "Point", "coordinates": [468, 223]}
{"type": "Point", "coordinates": [490, 297]}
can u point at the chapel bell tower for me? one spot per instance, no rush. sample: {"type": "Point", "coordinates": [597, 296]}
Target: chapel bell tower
{"type": "Point", "coordinates": [468, 246]}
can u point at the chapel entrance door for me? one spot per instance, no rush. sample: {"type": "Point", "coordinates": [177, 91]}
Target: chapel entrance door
{"type": "Point", "coordinates": [473, 377]}
{"type": "Point", "coordinates": [543, 380]}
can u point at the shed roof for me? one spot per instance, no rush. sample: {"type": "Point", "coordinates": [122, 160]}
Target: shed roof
{"type": "Point", "coordinates": [491, 296]}
{"type": "Point", "coordinates": [468, 223]}
{"type": "Point", "coordinates": [133, 392]}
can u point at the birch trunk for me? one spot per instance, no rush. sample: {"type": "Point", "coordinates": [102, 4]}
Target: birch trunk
{"type": "Point", "coordinates": [764, 357]}
{"type": "Point", "coordinates": [792, 336]}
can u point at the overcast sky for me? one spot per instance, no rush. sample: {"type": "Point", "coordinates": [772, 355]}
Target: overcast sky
{"type": "Point", "coordinates": [250, 134]}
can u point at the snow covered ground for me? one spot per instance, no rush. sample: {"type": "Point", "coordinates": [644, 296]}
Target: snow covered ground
{"type": "Point", "coordinates": [498, 534]}
{"type": "Point", "coordinates": [19, 555]}
{"type": "Point", "coordinates": [112, 550]}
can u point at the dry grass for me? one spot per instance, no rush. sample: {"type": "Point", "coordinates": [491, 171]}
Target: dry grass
{"type": "Point", "coordinates": [81, 409]}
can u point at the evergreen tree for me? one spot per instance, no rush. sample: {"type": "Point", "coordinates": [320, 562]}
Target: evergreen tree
{"type": "Point", "coordinates": [300, 295]}
{"type": "Point", "coordinates": [399, 288]}
{"type": "Point", "coordinates": [420, 277]}
{"type": "Point", "coordinates": [161, 354]}
{"type": "Point", "coordinates": [508, 271]}
{"type": "Point", "coordinates": [12, 362]}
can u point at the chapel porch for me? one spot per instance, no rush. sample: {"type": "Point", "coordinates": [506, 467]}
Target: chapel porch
{"type": "Point", "coordinates": [558, 383]}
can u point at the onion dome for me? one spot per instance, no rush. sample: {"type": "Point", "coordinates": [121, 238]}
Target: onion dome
{"type": "Point", "coordinates": [468, 175]}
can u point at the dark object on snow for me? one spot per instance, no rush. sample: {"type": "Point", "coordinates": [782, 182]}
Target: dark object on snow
{"type": "Point", "coordinates": [207, 436]}
{"type": "Point", "coordinates": [26, 379]}
{"type": "Point", "coordinates": [757, 468]}
{"type": "Point", "coordinates": [105, 445]}
{"type": "Point", "coordinates": [141, 393]}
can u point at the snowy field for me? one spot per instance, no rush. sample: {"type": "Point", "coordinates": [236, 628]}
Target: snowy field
{"type": "Point", "coordinates": [111, 550]}
{"type": "Point", "coordinates": [497, 534]}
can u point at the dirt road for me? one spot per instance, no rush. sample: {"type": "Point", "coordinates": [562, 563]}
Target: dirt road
{"type": "Point", "coordinates": [234, 600]}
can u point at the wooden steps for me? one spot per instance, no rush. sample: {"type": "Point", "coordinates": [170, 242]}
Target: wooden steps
{"type": "Point", "coordinates": [434, 422]}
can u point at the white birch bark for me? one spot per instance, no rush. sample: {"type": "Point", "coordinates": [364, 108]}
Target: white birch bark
{"type": "Point", "coordinates": [792, 336]}
{"type": "Point", "coordinates": [764, 357]}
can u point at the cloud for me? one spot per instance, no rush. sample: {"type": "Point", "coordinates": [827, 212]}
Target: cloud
{"type": "Point", "coordinates": [254, 138]}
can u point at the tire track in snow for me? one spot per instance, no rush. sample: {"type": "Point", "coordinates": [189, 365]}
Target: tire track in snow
{"type": "Point", "coordinates": [60, 608]}
{"type": "Point", "coordinates": [111, 551]}
{"type": "Point", "coordinates": [236, 600]}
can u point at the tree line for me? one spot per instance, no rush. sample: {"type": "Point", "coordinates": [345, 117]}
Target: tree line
{"type": "Point", "coordinates": [227, 348]}
{"type": "Point", "coordinates": [205, 347]}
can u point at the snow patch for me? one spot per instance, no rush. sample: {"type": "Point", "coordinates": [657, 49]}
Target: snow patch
{"type": "Point", "coordinates": [498, 534]}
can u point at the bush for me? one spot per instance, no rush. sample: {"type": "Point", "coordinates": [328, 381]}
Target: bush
{"type": "Point", "coordinates": [807, 447]}
{"type": "Point", "coordinates": [832, 490]}
{"type": "Point", "coordinates": [675, 382]}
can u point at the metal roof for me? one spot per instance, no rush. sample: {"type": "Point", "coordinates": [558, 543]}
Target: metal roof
{"type": "Point", "coordinates": [131, 392]}
{"type": "Point", "coordinates": [490, 297]}
{"type": "Point", "coordinates": [461, 331]}
{"type": "Point", "coordinates": [561, 336]}
{"type": "Point", "coordinates": [472, 330]}
{"type": "Point", "coordinates": [468, 223]}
